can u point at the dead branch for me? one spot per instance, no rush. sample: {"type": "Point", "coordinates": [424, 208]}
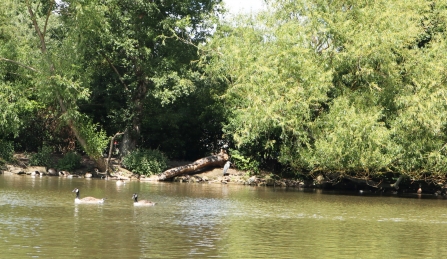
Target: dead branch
{"type": "Point", "coordinates": [111, 149]}
{"type": "Point", "coordinates": [214, 160]}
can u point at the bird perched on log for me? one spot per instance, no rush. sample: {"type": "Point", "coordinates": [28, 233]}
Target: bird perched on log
{"type": "Point", "coordinates": [226, 167]}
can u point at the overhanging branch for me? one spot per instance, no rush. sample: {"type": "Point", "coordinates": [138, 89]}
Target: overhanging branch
{"type": "Point", "coordinates": [20, 64]}
{"type": "Point", "coordinates": [116, 71]}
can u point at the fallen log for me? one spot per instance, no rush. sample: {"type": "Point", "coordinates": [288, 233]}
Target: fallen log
{"type": "Point", "coordinates": [214, 160]}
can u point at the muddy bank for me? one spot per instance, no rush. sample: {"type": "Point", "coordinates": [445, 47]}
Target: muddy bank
{"type": "Point", "coordinates": [207, 175]}
{"type": "Point", "coordinates": [233, 176]}
{"type": "Point", "coordinates": [20, 166]}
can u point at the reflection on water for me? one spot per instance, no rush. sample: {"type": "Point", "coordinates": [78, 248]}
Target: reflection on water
{"type": "Point", "coordinates": [38, 219]}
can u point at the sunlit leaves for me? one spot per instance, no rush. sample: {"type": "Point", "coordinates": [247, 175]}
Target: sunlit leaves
{"type": "Point", "coordinates": [97, 138]}
{"type": "Point", "coordinates": [345, 86]}
{"type": "Point", "coordinates": [16, 69]}
{"type": "Point", "coordinates": [352, 139]}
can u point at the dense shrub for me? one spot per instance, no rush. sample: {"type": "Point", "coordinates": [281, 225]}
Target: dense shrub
{"type": "Point", "coordinates": [42, 157]}
{"type": "Point", "coordinates": [6, 151]}
{"type": "Point", "coordinates": [145, 161]}
{"type": "Point", "coordinates": [69, 162]}
{"type": "Point", "coordinates": [244, 163]}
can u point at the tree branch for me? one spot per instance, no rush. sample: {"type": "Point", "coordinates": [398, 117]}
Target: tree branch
{"type": "Point", "coordinates": [48, 16]}
{"type": "Point", "coordinates": [110, 150]}
{"type": "Point", "coordinates": [36, 27]}
{"type": "Point", "coordinates": [116, 71]}
{"type": "Point", "coordinates": [20, 64]}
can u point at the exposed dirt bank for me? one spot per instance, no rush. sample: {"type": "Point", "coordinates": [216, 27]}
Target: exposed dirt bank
{"type": "Point", "coordinates": [20, 166]}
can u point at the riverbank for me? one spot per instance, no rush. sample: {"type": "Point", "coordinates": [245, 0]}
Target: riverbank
{"type": "Point", "coordinates": [20, 166]}
{"type": "Point", "coordinates": [235, 176]}
{"type": "Point", "coordinates": [211, 175]}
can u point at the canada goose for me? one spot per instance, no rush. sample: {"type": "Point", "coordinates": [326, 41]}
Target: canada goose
{"type": "Point", "coordinates": [65, 174]}
{"type": "Point", "coordinates": [89, 200]}
{"type": "Point", "coordinates": [52, 171]}
{"type": "Point", "coordinates": [120, 182]}
{"type": "Point", "coordinates": [136, 202]}
{"type": "Point", "coordinates": [36, 173]}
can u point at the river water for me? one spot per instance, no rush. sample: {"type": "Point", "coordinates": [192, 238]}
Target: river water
{"type": "Point", "coordinates": [38, 219]}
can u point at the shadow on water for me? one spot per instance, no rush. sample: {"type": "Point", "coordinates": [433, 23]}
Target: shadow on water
{"type": "Point", "coordinates": [380, 194]}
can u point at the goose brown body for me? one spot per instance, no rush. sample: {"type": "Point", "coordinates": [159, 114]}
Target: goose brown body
{"type": "Point", "coordinates": [136, 202]}
{"type": "Point", "coordinates": [86, 200]}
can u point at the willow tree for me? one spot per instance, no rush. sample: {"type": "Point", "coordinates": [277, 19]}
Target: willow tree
{"type": "Point", "coordinates": [394, 111]}
{"type": "Point", "coordinates": [272, 95]}
{"type": "Point", "coordinates": [48, 61]}
{"type": "Point", "coordinates": [14, 97]}
{"type": "Point", "coordinates": [354, 87]}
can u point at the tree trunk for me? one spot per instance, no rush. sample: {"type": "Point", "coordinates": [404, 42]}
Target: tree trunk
{"type": "Point", "coordinates": [101, 164]}
{"type": "Point", "coordinates": [112, 140]}
{"type": "Point", "coordinates": [126, 144]}
{"type": "Point", "coordinates": [214, 160]}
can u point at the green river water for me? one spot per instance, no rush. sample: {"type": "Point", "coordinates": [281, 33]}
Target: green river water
{"type": "Point", "coordinates": [38, 219]}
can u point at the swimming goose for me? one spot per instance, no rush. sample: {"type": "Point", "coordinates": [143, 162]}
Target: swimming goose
{"type": "Point", "coordinates": [87, 200]}
{"type": "Point", "coordinates": [65, 174]}
{"type": "Point", "coordinates": [136, 202]}
{"type": "Point", "coordinates": [36, 173]}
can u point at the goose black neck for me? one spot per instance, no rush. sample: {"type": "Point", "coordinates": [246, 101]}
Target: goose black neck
{"type": "Point", "coordinates": [77, 195]}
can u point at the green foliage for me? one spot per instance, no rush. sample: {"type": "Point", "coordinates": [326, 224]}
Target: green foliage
{"type": "Point", "coordinates": [145, 161]}
{"type": "Point", "coordinates": [96, 139]}
{"type": "Point", "coordinates": [43, 157]}
{"type": "Point", "coordinates": [6, 150]}
{"type": "Point", "coordinates": [337, 86]}
{"type": "Point", "coordinates": [108, 61]}
{"type": "Point", "coordinates": [350, 139]}
{"type": "Point", "coordinates": [244, 163]}
{"type": "Point", "coordinates": [69, 162]}
{"type": "Point", "coordinates": [346, 86]}
{"type": "Point", "coordinates": [15, 75]}
{"type": "Point", "coordinates": [187, 129]}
